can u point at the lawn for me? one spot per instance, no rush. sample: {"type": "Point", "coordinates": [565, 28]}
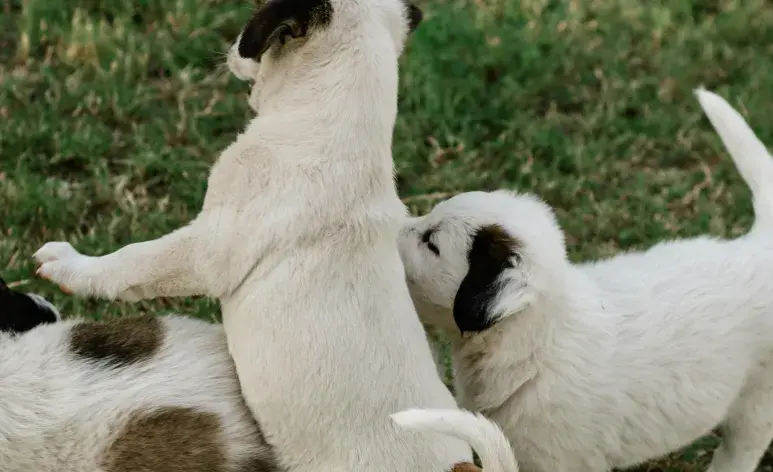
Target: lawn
{"type": "Point", "coordinates": [111, 115]}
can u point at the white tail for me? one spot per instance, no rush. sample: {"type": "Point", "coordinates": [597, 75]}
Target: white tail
{"type": "Point", "coordinates": [750, 155]}
{"type": "Point", "coordinates": [483, 435]}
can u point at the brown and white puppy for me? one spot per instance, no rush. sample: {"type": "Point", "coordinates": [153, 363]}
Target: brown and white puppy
{"type": "Point", "coordinates": [157, 394]}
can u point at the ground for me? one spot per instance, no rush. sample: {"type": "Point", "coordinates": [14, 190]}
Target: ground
{"type": "Point", "coordinates": [111, 115]}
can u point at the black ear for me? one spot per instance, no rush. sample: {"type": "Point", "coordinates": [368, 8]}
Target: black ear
{"type": "Point", "coordinates": [415, 16]}
{"type": "Point", "coordinates": [491, 254]}
{"type": "Point", "coordinates": [279, 20]}
{"type": "Point", "coordinates": [20, 312]}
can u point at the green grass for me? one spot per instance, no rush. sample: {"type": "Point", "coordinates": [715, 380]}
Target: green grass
{"type": "Point", "coordinates": [111, 115]}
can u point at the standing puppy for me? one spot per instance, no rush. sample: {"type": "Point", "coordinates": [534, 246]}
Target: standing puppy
{"type": "Point", "coordinates": [608, 364]}
{"type": "Point", "coordinates": [297, 238]}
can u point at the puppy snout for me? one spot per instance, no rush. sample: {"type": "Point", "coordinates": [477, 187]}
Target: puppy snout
{"type": "Point", "coordinates": [233, 66]}
{"type": "Point", "coordinates": [242, 68]}
{"type": "Point", "coordinates": [406, 232]}
{"type": "Point", "coordinates": [409, 238]}
{"type": "Point", "coordinates": [409, 227]}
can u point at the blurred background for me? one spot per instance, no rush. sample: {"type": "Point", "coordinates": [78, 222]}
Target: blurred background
{"type": "Point", "coordinates": [112, 112]}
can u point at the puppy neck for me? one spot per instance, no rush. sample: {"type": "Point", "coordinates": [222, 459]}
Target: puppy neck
{"type": "Point", "coordinates": [345, 85]}
{"type": "Point", "coordinates": [491, 366]}
{"type": "Point", "coordinates": [495, 364]}
{"type": "Point", "coordinates": [519, 334]}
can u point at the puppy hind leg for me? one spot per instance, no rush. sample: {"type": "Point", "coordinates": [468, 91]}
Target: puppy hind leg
{"type": "Point", "coordinates": [748, 428]}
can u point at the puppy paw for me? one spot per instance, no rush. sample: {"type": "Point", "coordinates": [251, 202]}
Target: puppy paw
{"type": "Point", "coordinates": [75, 273]}
{"type": "Point", "coordinates": [55, 251]}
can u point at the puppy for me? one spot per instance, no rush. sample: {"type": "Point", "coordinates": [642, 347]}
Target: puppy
{"type": "Point", "coordinates": [297, 239]}
{"type": "Point", "coordinates": [607, 364]}
{"type": "Point", "coordinates": [144, 393]}
{"type": "Point", "coordinates": [20, 312]}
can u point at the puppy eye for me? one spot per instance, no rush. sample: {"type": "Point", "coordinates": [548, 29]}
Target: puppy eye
{"type": "Point", "coordinates": [425, 238]}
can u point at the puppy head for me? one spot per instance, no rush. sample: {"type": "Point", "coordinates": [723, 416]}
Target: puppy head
{"type": "Point", "coordinates": [481, 257]}
{"type": "Point", "coordinates": [317, 29]}
{"type": "Point", "coordinates": [20, 312]}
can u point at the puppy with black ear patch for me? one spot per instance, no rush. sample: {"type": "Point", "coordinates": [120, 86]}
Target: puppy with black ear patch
{"type": "Point", "coordinates": [589, 367]}
{"type": "Point", "coordinates": [20, 312]}
{"type": "Point", "coordinates": [297, 239]}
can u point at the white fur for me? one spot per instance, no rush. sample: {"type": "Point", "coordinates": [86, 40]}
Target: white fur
{"type": "Point", "coordinates": [61, 413]}
{"type": "Point", "coordinates": [747, 152]}
{"type": "Point", "coordinates": [611, 363]}
{"type": "Point", "coordinates": [484, 435]}
{"type": "Point", "coordinates": [247, 70]}
{"type": "Point", "coordinates": [297, 238]}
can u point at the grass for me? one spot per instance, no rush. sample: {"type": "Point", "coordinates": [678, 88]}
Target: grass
{"type": "Point", "coordinates": [111, 115]}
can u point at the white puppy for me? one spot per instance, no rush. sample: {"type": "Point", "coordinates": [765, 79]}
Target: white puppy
{"type": "Point", "coordinates": [297, 238]}
{"type": "Point", "coordinates": [608, 364]}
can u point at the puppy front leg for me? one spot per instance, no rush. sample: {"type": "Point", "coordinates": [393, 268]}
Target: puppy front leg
{"type": "Point", "coordinates": [170, 266]}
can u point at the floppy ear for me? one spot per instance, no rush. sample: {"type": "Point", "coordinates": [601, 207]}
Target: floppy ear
{"type": "Point", "coordinates": [492, 252]}
{"type": "Point", "coordinates": [278, 20]}
{"type": "Point", "coordinates": [415, 16]}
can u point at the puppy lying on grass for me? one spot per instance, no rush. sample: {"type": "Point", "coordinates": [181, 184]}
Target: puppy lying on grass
{"type": "Point", "coordinates": [607, 364]}
{"type": "Point", "coordinates": [155, 394]}
{"type": "Point", "coordinates": [297, 239]}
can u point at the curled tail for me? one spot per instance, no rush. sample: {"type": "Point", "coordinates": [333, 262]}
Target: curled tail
{"type": "Point", "coordinates": [750, 155]}
{"type": "Point", "coordinates": [483, 435]}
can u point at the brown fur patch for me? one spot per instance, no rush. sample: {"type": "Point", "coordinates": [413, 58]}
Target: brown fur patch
{"type": "Point", "coordinates": [498, 244]}
{"type": "Point", "coordinates": [170, 439]}
{"type": "Point", "coordinates": [118, 342]}
{"type": "Point", "coordinates": [264, 460]}
{"type": "Point", "coordinates": [466, 467]}
{"type": "Point", "coordinates": [260, 463]}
